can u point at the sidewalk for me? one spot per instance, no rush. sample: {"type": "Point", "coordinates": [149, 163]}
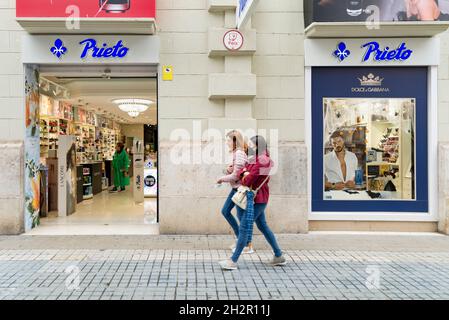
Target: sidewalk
{"type": "Point", "coordinates": [321, 266]}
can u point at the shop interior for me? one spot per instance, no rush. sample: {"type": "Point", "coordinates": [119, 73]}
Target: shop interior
{"type": "Point", "coordinates": [88, 112]}
{"type": "Point", "coordinates": [380, 132]}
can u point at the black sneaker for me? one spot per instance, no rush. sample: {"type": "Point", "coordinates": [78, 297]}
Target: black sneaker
{"type": "Point", "coordinates": [114, 190]}
{"type": "Point", "coordinates": [121, 189]}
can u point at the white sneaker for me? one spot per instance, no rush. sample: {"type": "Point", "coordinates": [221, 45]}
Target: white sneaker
{"type": "Point", "coordinates": [228, 264]}
{"type": "Point", "coordinates": [246, 250]}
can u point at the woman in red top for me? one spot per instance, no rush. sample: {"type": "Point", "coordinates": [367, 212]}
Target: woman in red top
{"type": "Point", "coordinates": [254, 176]}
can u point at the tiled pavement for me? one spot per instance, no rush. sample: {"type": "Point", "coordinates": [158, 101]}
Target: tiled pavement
{"type": "Point", "coordinates": [114, 273]}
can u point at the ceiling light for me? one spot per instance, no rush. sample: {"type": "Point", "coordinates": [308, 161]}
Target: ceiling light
{"type": "Point", "coordinates": [133, 107]}
{"type": "Point", "coordinates": [133, 114]}
{"type": "Point", "coordinates": [132, 101]}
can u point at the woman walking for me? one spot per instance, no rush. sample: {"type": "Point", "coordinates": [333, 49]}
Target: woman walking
{"type": "Point", "coordinates": [237, 146]}
{"type": "Point", "coordinates": [120, 165]}
{"type": "Point", "coordinates": [256, 177]}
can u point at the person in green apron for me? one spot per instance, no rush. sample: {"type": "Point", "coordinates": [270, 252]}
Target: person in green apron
{"type": "Point", "coordinates": [120, 165]}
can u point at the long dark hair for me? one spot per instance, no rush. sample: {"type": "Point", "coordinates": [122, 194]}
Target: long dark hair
{"type": "Point", "coordinates": [121, 146]}
{"type": "Point", "coordinates": [70, 153]}
{"type": "Point", "coordinates": [261, 145]}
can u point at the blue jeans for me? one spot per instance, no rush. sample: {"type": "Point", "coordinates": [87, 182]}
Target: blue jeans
{"type": "Point", "coordinates": [227, 214]}
{"type": "Point", "coordinates": [261, 222]}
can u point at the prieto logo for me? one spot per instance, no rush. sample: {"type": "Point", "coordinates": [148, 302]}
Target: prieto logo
{"type": "Point", "coordinates": [58, 49]}
{"type": "Point", "coordinates": [342, 52]}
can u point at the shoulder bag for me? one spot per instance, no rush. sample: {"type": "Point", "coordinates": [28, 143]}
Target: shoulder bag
{"type": "Point", "coordinates": [240, 199]}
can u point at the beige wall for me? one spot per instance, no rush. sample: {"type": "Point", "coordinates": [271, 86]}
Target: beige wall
{"type": "Point", "coordinates": [12, 115]}
{"type": "Point", "coordinates": [133, 130]}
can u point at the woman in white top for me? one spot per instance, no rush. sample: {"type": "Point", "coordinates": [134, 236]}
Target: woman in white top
{"type": "Point", "coordinates": [238, 147]}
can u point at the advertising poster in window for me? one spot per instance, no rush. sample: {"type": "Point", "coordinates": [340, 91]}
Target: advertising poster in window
{"type": "Point", "coordinates": [86, 8]}
{"type": "Point", "coordinates": [368, 149]}
{"type": "Point", "coordinates": [32, 148]}
{"type": "Point", "coordinates": [369, 138]}
{"type": "Point", "coordinates": [384, 10]}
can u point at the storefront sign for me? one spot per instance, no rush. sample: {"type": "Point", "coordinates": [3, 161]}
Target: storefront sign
{"type": "Point", "coordinates": [233, 40]}
{"type": "Point", "coordinates": [78, 49]}
{"type": "Point", "coordinates": [86, 8]}
{"type": "Point", "coordinates": [379, 52]}
{"type": "Point", "coordinates": [375, 10]}
{"type": "Point", "coordinates": [375, 52]}
{"type": "Point", "coordinates": [244, 11]}
{"type": "Point", "coordinates": [90, 45]}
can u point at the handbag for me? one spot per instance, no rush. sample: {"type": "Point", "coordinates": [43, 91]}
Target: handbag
{"type": "Point", "coordinates": [240, 199]}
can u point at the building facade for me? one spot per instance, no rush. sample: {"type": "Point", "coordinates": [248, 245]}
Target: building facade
{"type": "Point", "coordinates": [266, 85]}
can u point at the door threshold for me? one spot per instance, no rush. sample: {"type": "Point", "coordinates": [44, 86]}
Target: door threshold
{"type": "Point", "coordinates": [94, 230]}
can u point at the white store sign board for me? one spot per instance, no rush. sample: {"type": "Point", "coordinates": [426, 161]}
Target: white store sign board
{"type": "Point", "coordinates": [372, 52]}
{"type": "Point", "coordinates": [90, 49]}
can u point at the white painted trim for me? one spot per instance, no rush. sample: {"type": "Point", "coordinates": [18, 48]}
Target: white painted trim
{"type": "Point", "coordinates": [432, 140]}
{"type": "Point", "coordinates": [385, 29]}
{"type": "Point", "coordinates": [376, 216]}
{"type": "Point", "coordinates": [432, 216]}
{"type": "Point", "coordinates": [308, 134]}
{"type": "Point", "coordinates": [54, 25]}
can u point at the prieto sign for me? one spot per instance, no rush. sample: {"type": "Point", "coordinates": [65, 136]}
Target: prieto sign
{"type": "Point", "coordinates": [92, 48]}
{"type": "Point", "coordinates": [233, 40]}
{"type": "Point", "coordinates": [375, 52]}
{"type": "Point", "coordinates": [244, 11]}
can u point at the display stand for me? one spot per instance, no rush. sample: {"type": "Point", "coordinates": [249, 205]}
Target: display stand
{"type": "Point", "coordinates": [87, 183]}
{"type": "Point", "coordinates": [138, 172]}
{"type": "Point", "coordinates": [66, 176]}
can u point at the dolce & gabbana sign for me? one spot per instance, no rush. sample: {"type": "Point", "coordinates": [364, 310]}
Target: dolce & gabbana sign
{"type": "Point", "coordinates": [370, 83]}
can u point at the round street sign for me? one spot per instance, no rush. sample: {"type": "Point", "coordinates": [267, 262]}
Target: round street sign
{"type": "Point", "coordinates": [233, 40]}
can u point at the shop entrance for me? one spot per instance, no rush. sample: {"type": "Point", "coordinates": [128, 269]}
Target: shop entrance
{"type": "Point", "coordinates": [78, 182]}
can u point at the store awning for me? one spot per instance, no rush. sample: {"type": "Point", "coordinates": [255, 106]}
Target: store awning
{"type": "Point", "coordinates": [382, 30]}
{"type": "Point", "coordinates": [89, 26]}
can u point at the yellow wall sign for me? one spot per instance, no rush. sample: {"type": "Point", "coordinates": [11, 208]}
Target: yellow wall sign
{"type": "Point", "coordinates": [167, 73]}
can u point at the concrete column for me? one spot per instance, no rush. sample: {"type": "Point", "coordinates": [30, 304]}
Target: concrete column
{"type": "Point", "coordinates": [11, 188]}
{"type": "Point", "coordinates": [237, 86]}
{"type": "Point", "coordinates": [443, 196]}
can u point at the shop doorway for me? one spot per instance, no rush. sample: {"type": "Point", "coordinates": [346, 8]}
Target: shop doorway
{"type": "Point", "coordinates": [76, 118]}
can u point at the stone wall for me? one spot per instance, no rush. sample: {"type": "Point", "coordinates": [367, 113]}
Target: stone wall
{"type": "Point", "coordinates": [190, 203]}
{"type": "Point", "coordinates": [11, 187]}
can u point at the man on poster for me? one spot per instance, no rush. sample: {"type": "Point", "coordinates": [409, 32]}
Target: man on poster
{"type": "Point", "coordinates": [339, 165]}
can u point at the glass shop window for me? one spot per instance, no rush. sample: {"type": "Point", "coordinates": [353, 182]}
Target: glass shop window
{"type": "Point", "coordinates": [369, 149]}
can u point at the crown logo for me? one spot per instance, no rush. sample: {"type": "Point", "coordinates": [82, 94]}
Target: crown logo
{"type": "Point", "coordinates": [371, 80]}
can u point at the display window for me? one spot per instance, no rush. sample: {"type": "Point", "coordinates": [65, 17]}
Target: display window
{"type": "Point", "coordinates": [368, 146]}
{"type": "Point", "coordinates": [369, 134]}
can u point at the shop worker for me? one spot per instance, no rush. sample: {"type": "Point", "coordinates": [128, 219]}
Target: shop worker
{"type": "Point", "coordinates": [120, 165]}
{"type": "Point", "coordinates": [339, 165]}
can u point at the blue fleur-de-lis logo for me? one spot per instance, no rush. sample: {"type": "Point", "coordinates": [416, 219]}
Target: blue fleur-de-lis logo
{"type": "Point", "coordinates": [58, 49]}
{"type": "Point", "coordinates": [342, 52]}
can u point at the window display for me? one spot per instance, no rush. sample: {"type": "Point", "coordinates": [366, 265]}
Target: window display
{"type": "Point", "coordinates": [369, 139]}
{"type": "Point", "coordinates": [363, 10]}
{"type": "Point", "coordinates": [368, 149]}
